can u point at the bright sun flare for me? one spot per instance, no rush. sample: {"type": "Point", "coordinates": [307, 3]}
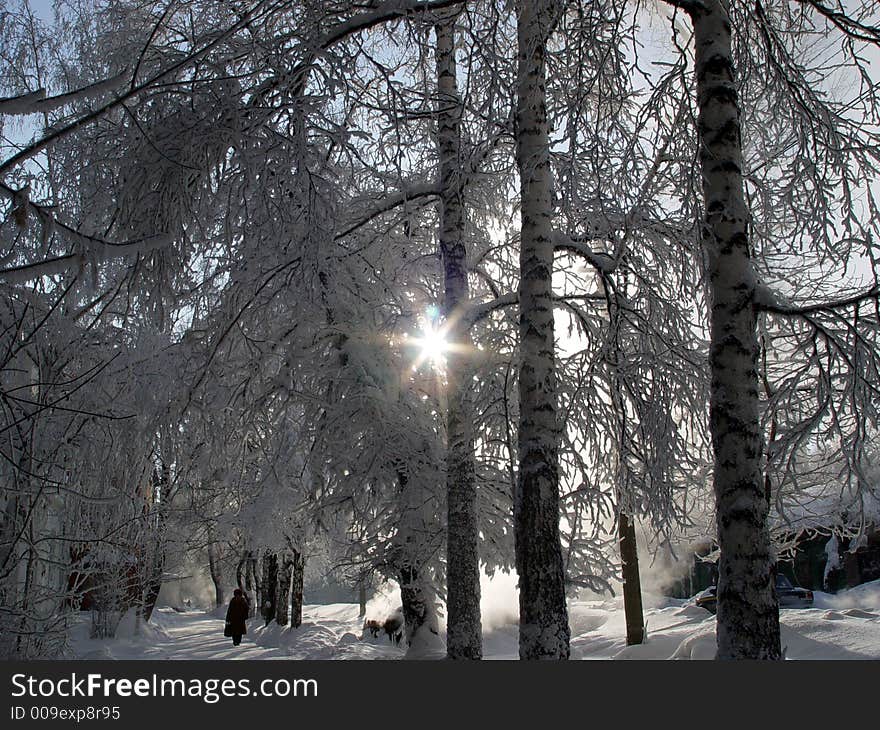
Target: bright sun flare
{"type": "Point", "coordinates": [433, 345]}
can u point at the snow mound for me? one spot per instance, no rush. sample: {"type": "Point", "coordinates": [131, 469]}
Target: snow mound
{"type": "Point", "coordinates": [311, 641]}
{"type": "Point", "coordinates": [833, 616]}
{"type": "Point", "coordinates": [860, 613]}
{"type": "Point", "coordinates": [692, 609]}
{"type": "Point", "coordinates": [865, 596]}
{"type": "Point", "coordinates": [426, 644]}
{"type": "Point", "coordinates": [700, 645]}
{"type": "Point", "coordinates": [132, 633]}
{"type": "Point", "coordinates": [324, 639]}
{"type": "Point", "coordinates": [311, 635]}
{"type": "Point", "coordinates": [132, 626]}
{"type": "Point", "coordinates": [586, 618]}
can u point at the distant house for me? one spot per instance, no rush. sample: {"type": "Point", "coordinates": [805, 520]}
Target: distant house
{"type": "Point", "coordinates": [807, 567]}
{"type": "Point", "coordinates": [806, 562]}
{"type": "Point", "coordinates": [99, 582]}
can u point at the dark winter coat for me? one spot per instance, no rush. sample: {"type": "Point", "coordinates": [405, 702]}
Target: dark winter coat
{"type": "Point", "coordinates": [236, 616]}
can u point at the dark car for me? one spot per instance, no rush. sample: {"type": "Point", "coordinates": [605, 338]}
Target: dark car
{"type": "Point", "coordinates": [789, 596]}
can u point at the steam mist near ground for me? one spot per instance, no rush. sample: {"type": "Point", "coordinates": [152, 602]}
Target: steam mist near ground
{"type": "Point", "coordinates": [499, 594]}
{"type": "Point", "coordinates": [189, 585]}
{"type": "Point", "coordinates": [659, 569]}
{"type": "Point", "coordinates": [499, 601]}
{"type": "Point", "coordinates": [661, 566]}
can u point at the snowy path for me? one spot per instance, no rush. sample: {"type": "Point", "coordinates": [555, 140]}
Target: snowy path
{"type": "Point", "coordinates": [845, 626]}
{"type": "Point", "coordinates": [175, 636]}
{"type": "Point", "coordinates": [199, 635]}
{"type": "Point", "coordinates": [328, 632]}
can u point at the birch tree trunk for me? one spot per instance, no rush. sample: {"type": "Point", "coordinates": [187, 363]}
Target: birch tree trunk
{"type": "Point", "coordinates": [362, 599]}
{"type": "Point", "coordinates": [298, 570]}
{"type": "Point", "coordinates": [150, 592]}
{"type": "Point", "coordinates": [416, 594]}
{"type": "Point", "coordinates": [269, 586]}
{"type": "Point", "coordinates": [254, 573]}
{"type": "Point", "coordinates": [245, 580]}
{"type": "Point", "coordinates": [463, 632]}
{"type": "Point", "coordinates": [544, 632]}
{"type": "Point", "coordinates": [154, 584]}
{"type": "Point", "coordinates": [748, 614]}
{"type": "Point", "coordinates": [241, 572]}
{"type": "Point", "coordinates": [282, 596]}
{"type": "Point", "coordinates": [216, 573]}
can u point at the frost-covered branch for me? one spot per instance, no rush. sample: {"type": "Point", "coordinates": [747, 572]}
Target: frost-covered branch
{"type": "Point", "coordinates": [768, 300]}
{"type": "Point", "coordinates": [57, 134]}
{"type": "Point", "coordinates": [36, 102]}
{"type": "Point", "coordinates": [382, 13]}
{"type": "Point", "coordinates": [414, 192]}
{"type": "Point", "coordinates": [602, 262]}
{"type": "Point", "coordinates": [843, 20]}
{"type": "Point", "coordinates": [91, 248]}
{"type": "Point", "coordinates": [478, 312]}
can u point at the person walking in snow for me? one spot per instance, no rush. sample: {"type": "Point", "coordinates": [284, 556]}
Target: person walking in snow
{"type": "Point", "coordinates": [236, 617]}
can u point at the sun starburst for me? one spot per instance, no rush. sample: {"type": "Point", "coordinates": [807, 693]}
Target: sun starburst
{"type": "Point", "coordinates": [431, 346]}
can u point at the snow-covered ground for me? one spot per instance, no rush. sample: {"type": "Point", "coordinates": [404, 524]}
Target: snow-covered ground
{"type": "Point", "coordinates": [842, 626]}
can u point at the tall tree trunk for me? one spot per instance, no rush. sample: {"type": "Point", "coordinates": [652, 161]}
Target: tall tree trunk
{"type": "Point", "coordinates": [269, 586]}
{"type": "Point", "coordinates": [629, 554]}
{"type": "Point", "coordinates": [419, 615]}
{"type": "Point", "coordinates": [241, 573]}
{"type": "Point", "coordinates": [632, 586]}
{"type": "Point", "coordinates": [409, 552]}
{"type": "Point", "coordinates": [362, 598]}
{"type": "Point", "coordinates": [255, 580]}
{"type": "Point", "coordinates": [216, 573]}
{"type": "Point", "coordinates": [154, 585]}
{"type": "Point", "coordinates": [464, 631]}
{"type": "Point", "coordinates": [150, 594]}
{"type": "Point", "coordinates": [282, 596]}
{"type": "Point", "coordinates": [244, 576]}
{"type": "Point", "coordinates": [10, 564]}
{"type": "Point", "coordinates": [26, 633]}
{"type": "Point", "coordinates": [748, 614]}
{"type": "Point", "coordinates": [544, 632]}
{"type": "Point", "coordinates": [296, 583]}
{"type": "Point", "coordinates": [774, 423]}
